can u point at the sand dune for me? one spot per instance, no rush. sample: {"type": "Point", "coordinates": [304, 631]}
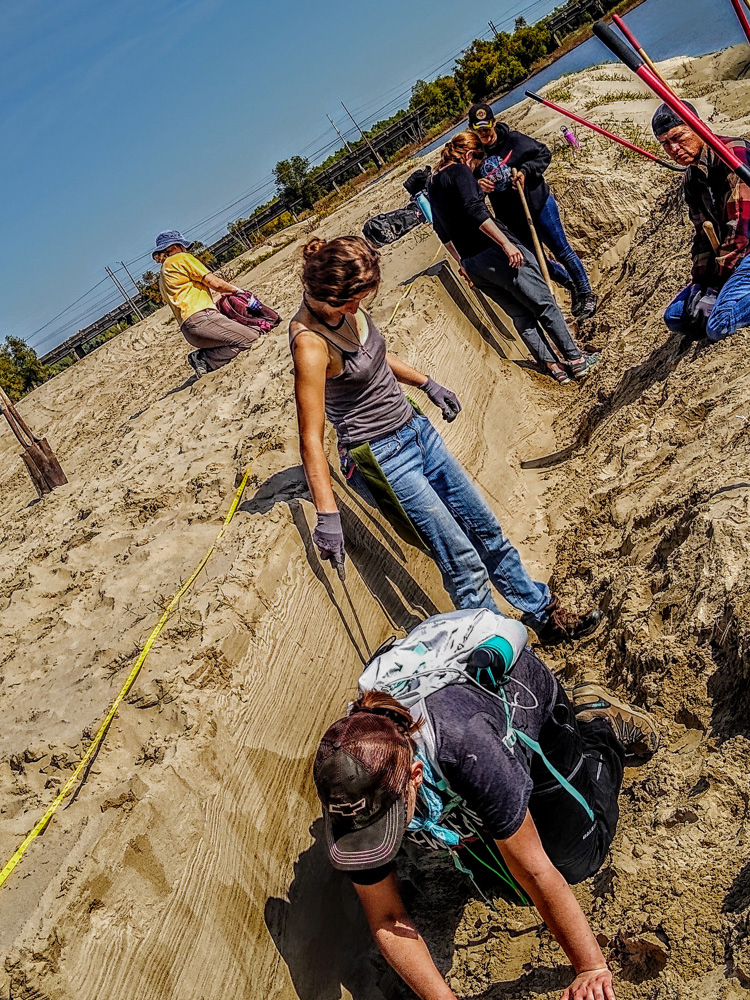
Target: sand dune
{"type": "Point", "coordinates": [189, 864]}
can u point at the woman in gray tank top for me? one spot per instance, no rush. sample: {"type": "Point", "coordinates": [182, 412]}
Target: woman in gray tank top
{"type": "Point", "coordinates": [342, 370]}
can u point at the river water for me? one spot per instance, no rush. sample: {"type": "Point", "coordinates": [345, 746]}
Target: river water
{"type": "Point", "coordinates": [665, 28]}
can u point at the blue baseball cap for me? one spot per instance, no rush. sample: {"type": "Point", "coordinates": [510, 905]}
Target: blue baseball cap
{"type": "Point", "coordinates": [169, 239]}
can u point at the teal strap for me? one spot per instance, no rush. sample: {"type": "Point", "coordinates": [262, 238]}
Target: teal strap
{"type": "Point", "coordinates": [555, 773]}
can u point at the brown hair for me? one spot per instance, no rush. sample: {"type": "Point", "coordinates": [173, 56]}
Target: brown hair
{"type": "Point", "coordinates": [339, 270]}
{"type": "Point", "coordinates": [380, 703]}
{"type": "Point", "coordinates": [455, 150]}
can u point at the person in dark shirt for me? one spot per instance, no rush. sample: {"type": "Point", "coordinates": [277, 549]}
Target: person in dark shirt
{"type": "Point", "coordinates": [496, 262]}
{"type": "Point", "coordinates": [716, 303]}
{"type": "Point", "coordinates": [516, 160]}
{"type": "Point", "coordinates": [378, 784]}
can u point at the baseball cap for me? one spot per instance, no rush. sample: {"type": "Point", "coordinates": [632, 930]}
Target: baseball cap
{"type": "Point", "coordinates": [481, 116]}
{"type": "Point", "coordinates": [361, 771]}
{"type": "Point", "coordinates": [665, 119]}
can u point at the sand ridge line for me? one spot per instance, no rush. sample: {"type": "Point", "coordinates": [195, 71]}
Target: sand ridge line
{"type": "Point", "coordinates": [41, 825]}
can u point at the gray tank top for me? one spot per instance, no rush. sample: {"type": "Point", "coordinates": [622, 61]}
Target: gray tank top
{"type": "Point", "coordinates": [365, 401]}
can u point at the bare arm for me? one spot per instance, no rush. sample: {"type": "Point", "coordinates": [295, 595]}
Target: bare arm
{"type": "Point", "coordinates": [399, 940]}
{"type": "Point", "coordinates": [217, 284]}
{"type": "Point", "coordinates": [491, 229]}
{"type": "Point", "coordinates": [405, 373]}
{"type": "Point", "coordinates": [310, 365]}
{"type": "Point", "coordinates": [552, 896]}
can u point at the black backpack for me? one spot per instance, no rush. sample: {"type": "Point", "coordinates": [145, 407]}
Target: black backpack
{"type": "Point", "coordinates": [391, 226]}
{"type": "Point", "coordinates": [417, 180]}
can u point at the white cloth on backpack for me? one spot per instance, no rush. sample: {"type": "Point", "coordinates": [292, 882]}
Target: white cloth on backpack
{"type": "Point", "coordinates": [434, 654]}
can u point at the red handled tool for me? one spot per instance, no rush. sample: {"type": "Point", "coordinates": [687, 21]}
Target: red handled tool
{"type": "Point", "coordinates": [603, 131]}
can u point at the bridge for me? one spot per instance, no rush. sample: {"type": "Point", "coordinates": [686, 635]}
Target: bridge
{"type": "Point", "coordinates": [570, 17]}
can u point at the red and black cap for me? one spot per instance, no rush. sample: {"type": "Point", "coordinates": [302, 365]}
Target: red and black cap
{"type": "Point", "coordinates": [361, 772]}
{"type": "Point", "coordinates": [481, 115]}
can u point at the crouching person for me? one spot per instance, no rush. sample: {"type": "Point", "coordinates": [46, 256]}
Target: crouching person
{"type": "Point", "coordinates": [716, 303]}
{"type": "Point", "coordinates": [185, 285]}
{"type": "Point", "coordinates": [484, 744]}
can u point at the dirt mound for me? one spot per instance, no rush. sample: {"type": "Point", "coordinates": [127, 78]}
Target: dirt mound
{"type": "Point", "coordinates": [190, 863]}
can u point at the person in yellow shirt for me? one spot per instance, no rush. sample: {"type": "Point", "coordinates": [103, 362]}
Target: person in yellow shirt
{"type": "Point", "coordinates": [186, 285]}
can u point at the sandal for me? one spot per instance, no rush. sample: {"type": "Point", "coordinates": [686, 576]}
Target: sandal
{"type": "Point", "coordinates": [582, 366]}
{"type": "Point", "coordinates": [559, 374]}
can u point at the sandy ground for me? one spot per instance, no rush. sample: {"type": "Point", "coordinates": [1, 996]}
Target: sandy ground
{"type": "Point", "coordinates": [189, 863]}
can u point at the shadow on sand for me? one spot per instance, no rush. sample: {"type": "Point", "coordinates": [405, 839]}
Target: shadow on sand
{"type": "Point", "coordinates": [376, 554]}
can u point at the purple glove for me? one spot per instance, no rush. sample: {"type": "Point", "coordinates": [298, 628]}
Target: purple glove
{"type": "Point", "coordinates": [329, 538]}
{"type": "Point", "coordinates": [445, 400]}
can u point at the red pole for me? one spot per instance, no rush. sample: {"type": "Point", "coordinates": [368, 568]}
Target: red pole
{"type": "Point", "coordinates": [635, 43]}
{"type": "Point", "coordinates": [742, 18]}
{"type": "Point", "coordinates": [635, 62]}
{"type": "Point", "coordinates": [602, 131]}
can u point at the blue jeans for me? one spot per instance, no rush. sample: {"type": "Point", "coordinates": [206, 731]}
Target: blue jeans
{"type": "Point", "coordinates": [550, 231]}
{"type": "Point", "coordinates": [465, 537]}
{"type": "Point", "coordinates": [731, 312]}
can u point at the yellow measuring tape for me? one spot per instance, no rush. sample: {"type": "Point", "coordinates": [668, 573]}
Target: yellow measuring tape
{"type": "Point", "coordinates": [96, 742]}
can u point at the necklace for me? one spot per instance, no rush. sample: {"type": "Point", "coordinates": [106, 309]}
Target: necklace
{"type": "Point", "coordinates": [335, 329]}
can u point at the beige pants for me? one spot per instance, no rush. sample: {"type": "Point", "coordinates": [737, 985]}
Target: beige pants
{"type": "Point", "coordinates": [218, 338]}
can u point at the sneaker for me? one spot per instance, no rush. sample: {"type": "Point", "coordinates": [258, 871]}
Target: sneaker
{"type": "Point", "coordinates": [584, 304]}
{"type": "Point", "coordinates": [580, 369]}
{"type": "Point", "coordinates": [198, 363]}
{"type": "Point", "coordinates": [633, 727]}
{"type": "Point", "coordinates": [565, 626]}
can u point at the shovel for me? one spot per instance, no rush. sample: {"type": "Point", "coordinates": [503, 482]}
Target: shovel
{"type": "Point", "coordinates": [43, 467]}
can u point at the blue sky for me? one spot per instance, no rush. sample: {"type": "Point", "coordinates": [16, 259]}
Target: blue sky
{"type": "Point", "coordinates": [121, 119]}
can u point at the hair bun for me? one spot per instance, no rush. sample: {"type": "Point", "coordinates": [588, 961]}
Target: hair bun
{"type": "Point", "coordinates": [312, 247]}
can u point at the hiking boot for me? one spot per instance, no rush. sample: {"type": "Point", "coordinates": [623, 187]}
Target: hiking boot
{"type": "Point", "coordinates": [580, 369]}
{"type": "Point", "coordinates": [198, 363]}
{"type": "Point", "coordinates": [584, 304]}
{"type": "Point", "coordinates": [565, 626]}
{"type": "Point", "coordinates": [633, 727]}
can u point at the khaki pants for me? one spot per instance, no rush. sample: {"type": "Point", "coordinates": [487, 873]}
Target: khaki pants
{"type": "Point", "coordinates": [218, 338]}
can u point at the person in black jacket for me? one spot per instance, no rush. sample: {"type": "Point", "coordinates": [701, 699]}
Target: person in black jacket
{"type": "Point", "coordinates": [496, 262]}
{"type": "Point", "coordinates": [514, 159]}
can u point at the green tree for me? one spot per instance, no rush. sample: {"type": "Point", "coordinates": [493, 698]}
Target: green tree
{"type": "Point", "coordinates": [475, 67]}
{"type": "Point", "coordinates": [148, 286]}
{"type": "Point", "coordinates": [293, 180]}
{"type": "Point", "coordinates": [442, 97]}
{"type": "Point", "coordinates": [20, 368]}
{"type": "Point", "coordinates": [530, 43]}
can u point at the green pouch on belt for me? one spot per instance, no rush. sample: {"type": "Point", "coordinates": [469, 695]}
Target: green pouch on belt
{"type": "Point", "coordinates": [388, 503]}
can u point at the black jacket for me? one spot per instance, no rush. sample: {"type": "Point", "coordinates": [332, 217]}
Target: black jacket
{"type": "Point", "coordinates": [459, 209]}
{"type": "Point", "coordinates": [529, 157]}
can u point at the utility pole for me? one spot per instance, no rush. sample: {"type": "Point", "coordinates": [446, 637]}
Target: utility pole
{"type": "Point", "coordinates": [122, 262]}
{"type": "Point", "coordinates": [378, 160]}
{"type": "Point", "coordinates": [361, 168]}
{"type": "Point", "coordinates": [124, 294]}
{"type": "Point", "coordinates": [494, 29]}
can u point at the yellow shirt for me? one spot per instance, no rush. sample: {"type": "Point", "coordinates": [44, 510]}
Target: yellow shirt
{"type": "Point", "coordinates": [181, 286]}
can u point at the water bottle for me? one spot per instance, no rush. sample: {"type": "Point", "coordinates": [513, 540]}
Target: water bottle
{"type": "Point", "coordinates": [492, 661]}
{"type": "Point", "coordinates": [570, 137]}
{"type": "Point", "coordinates": [424, 205]}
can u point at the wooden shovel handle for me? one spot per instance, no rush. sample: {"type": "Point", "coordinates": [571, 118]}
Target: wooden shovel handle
{"type": "Point", "coordinates": [10, 408]}
{"type": "Point", "coordinates": [9, 417]}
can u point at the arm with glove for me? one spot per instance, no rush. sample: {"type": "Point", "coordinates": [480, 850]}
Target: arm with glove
{"type": "Point", "coordinates": [445, 399]}
{"type": "Point", "coordinates": [310, 364]}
